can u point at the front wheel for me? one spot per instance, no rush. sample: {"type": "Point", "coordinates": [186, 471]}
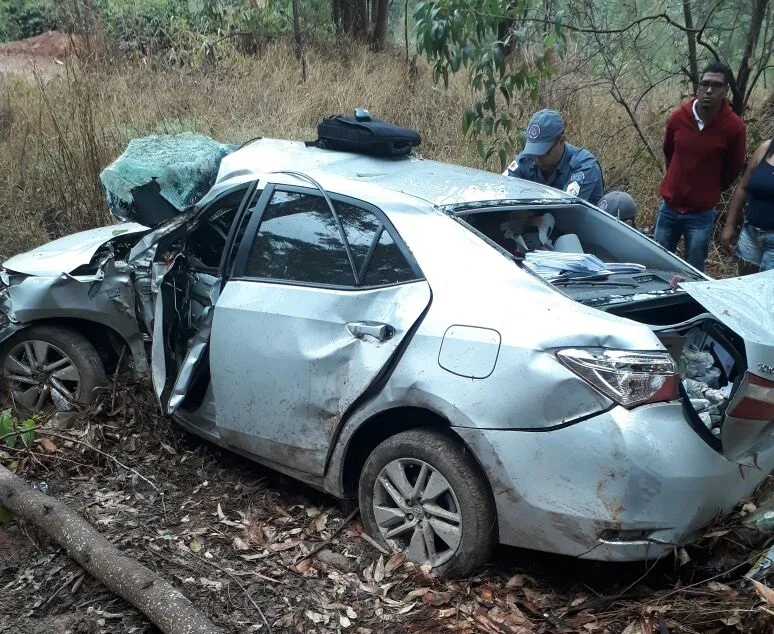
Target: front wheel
{"type": "Point", "coordinates": [45, 367]}
{"type": "Point", "coordinates": [423, 494]}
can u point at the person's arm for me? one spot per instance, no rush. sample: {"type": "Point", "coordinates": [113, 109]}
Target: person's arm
{"type": "Point", "coordinates": [669, 141]}
{"type": "Point", "coordinates": [735, 215]}
{"type": "Point", "coordinates": [584, 177]}
{"type": "Point", "coordinates": [514, 170]}
{"type": "Point", "coordinates": [735, 160]}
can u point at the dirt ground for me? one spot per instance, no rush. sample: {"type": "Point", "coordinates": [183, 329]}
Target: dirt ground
{"type": "Point", "coordinates": [43, 55]}
{"type": "Point", "coordinates": [234, 537]}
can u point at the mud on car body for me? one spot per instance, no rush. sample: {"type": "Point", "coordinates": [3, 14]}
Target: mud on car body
{"type": "Point", "coordinates": [373, 327]}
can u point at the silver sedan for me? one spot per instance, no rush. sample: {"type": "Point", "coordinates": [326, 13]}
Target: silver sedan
{"type": "Point", "coordinates": [476, 359]}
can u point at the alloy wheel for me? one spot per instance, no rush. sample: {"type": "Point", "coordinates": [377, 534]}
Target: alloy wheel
{"type": "Point", "coordinates": [417, 511]}
{"type": "Point", "coordinates": [39, 374]}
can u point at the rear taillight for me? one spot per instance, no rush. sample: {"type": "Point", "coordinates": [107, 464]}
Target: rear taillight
{"type": "Point", "coordinates": [628, 378]}
{"type": "Point", "coordinates": [754, 399]}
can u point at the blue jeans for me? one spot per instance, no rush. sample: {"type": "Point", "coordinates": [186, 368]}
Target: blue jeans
{"type": "Point", "coordinates": [756, 247]}
{"type": "Point", "coordinates": [695, 228]}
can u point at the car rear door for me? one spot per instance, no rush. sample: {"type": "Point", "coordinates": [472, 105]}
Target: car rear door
{"type": "Point", "coordinates": [320, 303]}
{"type": "Point", "coordinates": [746, 306]}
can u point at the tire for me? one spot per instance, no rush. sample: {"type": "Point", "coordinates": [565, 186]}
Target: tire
{"type": "Point", "coordinates": [453, 487]}
{"type": "Point", "coordinates": [76, 369]}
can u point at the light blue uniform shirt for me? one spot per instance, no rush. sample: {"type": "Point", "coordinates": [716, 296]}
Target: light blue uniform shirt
{"type": "Point", "coordinates": [578, 173]}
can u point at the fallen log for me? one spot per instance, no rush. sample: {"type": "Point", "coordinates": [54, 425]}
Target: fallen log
{"type": "Point", "coordinates": [164, 606]}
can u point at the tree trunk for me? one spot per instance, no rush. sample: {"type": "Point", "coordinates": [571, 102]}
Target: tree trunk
{"type": "Point", "coordinates": [347, 15]}
{"type": "Point", "coordinates": [336, 14]}
{"type": "Point", "coordinates": [739, 91]}
{"type": "Point", "coordinates": [360, 19]}
{"type": "Point", "coordinates": [505, 28]}
{"type": "Point", "coordinates": [164, 606]}
{"type": "Point", "coordinates": [299, 41]}
{"type": "Point", "coordinates": [380, 19]}
{"type": "Point", "coordinates": [693, 63]}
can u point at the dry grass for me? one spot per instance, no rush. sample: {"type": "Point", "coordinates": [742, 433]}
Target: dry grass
{"type": "Point", "coordinates": [58, 131]}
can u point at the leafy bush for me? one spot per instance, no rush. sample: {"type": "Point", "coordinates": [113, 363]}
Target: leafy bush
{"type": "Point", "coordinates": [140, 26]}
{"type": "Point", "coordinates": [25, 18]}
{"type": "Point", "coordinates": [11, 430]}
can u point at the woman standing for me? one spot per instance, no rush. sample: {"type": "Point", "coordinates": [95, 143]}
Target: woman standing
{"type": "Point", "coordinates": [755, 248]}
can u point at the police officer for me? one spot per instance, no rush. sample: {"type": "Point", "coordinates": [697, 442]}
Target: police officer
{"type": "Point", "coordinates": [620, 205]}
{"type": "Point", "coordinates": [547, 158]}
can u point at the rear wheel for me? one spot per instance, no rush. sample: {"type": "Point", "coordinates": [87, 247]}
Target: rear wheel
{"type": "Point", "coordinates": [48, 367]}
{"type": "Point", "coordinates": [422, 493]}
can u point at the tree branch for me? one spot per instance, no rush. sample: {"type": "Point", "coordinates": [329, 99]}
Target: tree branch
{"type": "Point", "coordinates": [615, 92]}
{"type": "Point", "coordinates": [693, 64]}
{"type": "Point", "coordinates": [613, 31]}
{"type": "Point", "coordinates": [164, 606]}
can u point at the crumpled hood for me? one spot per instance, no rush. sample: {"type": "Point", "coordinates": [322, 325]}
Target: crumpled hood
{"type": "Point", "coordinates": [67, 254]}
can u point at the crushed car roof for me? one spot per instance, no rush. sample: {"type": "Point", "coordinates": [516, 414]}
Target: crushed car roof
{"type": "Point", "coordinates": [440, 184]}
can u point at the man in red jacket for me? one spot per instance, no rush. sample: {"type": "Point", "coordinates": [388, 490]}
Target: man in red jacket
{"type": "Point", "coordinates": [704, 146]}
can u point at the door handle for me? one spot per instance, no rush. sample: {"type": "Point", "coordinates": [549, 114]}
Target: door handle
{"type": "Point", "coordinates": [379, 331]}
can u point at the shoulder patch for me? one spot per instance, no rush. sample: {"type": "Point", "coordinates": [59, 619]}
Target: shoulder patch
{"type": "Point", "coordinates": [578, 177]}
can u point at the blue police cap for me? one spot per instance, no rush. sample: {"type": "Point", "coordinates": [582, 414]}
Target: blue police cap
{"type": "Point", "coordinates": [544, 128]}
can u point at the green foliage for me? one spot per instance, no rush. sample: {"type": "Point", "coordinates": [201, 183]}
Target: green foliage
{"type": "Point", "coordinates": [186, 32]}
{"type": "Point", "coordinates": [11, 431]}
{"type": "Point", "coordinates": [142, 25]}
{"type": "Point", "coordinates": [463, 34]}
{"type": "Point", "coordinates": [25, 18]}
{"type": "Point", "coordinates": [229, 16]}
{"type": "Point", "coordinates": [6, 424]}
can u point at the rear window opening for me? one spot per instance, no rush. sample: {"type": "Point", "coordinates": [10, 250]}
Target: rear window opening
{"type": "Point", "coordinates": [598, 247]}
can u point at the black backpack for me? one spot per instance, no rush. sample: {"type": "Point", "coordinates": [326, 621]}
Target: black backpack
{"type": "Point", "coordinates": [362, 134]}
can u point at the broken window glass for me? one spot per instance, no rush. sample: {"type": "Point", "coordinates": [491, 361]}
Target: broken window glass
{"type": "Point", "coordinates": [210, 238]}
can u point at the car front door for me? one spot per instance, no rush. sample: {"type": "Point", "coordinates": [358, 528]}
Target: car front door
{"type": "Point", "coordinates": [317, 307]}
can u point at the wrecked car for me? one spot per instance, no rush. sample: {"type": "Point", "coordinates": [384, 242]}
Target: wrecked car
{"type": "Point", "coordinates": [476, 359]}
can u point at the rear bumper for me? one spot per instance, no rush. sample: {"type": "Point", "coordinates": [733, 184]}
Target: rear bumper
{"type": "Point", "coordinates": [621, 486]}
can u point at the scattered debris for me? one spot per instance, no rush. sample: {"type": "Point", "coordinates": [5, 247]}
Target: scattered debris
{"type": "Point", "coordinates": [761, 518]}
{"type": "Point", "coordinates": [764, 566]}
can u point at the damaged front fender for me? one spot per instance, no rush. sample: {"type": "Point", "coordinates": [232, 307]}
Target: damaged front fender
{"type": "Point", "coordinates": [106, 298]}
